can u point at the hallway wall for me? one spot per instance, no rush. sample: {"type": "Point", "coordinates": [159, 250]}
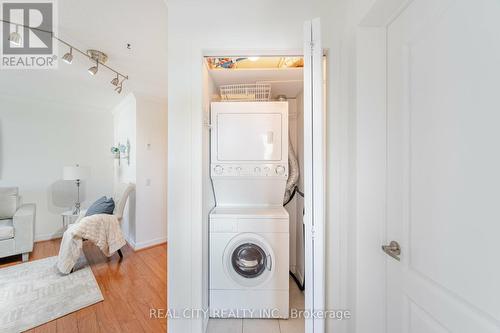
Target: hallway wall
{"type": "Point", "coordinates": [143, 122]}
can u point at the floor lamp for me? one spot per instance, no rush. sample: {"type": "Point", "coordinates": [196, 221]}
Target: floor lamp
{"type": "Point", "coordinates": [76, 173]}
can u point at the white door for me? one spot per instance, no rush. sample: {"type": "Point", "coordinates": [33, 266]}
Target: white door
{"type": "Point", "coordinates": [314, 174]}
{"type": "Point", "coordinates": [444, 167]}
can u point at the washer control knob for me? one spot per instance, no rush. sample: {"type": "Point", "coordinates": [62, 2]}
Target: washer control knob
{"type": "Point", "coordinates": [280, 170]}
{"type": "Point", "coordinates": [257, 170]}
{"type": "Point", "coordinates": [218, 169]}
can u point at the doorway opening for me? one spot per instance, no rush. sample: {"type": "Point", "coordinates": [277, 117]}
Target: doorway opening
{"type": "Point", "coordinates": [236, 82]}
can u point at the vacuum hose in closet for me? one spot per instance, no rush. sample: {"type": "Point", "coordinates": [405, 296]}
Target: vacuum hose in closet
{"type": "Point", "coordinates": [293, 175]}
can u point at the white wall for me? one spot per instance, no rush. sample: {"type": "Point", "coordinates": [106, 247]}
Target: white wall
{"type": "Point", "coordinates": [151, 186]}
{"type": "Point", "coordinates": [37, 139]}
{"type": "Point", "coordinates": [143, 121]}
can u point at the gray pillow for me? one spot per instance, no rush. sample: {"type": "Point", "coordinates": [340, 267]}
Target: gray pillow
{"type": "Point", "coordinates": [102, 205]}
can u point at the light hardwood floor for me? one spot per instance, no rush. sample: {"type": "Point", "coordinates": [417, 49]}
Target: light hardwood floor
{"type": "Point", "coordinates": [130, 289]}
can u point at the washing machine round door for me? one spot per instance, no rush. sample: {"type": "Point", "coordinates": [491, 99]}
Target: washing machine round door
{"type": "Point", "coordinates": [249, 260]}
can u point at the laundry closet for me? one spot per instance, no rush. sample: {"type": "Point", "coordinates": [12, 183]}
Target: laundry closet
{"type": "Point", "coordinates": [253, 189]}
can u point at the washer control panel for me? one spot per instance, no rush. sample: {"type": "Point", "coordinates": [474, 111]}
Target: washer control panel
{"type": "Point", "coordinates": [249, 170]}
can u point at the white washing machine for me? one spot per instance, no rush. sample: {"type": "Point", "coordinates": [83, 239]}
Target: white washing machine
{"type": "Point", "coordinates": [249, 262]}
{"type": "Point", "coordinates": [249, 228]}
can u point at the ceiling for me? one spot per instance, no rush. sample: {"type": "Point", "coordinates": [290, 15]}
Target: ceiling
{"type": "Point", "coordinates": [108, 26]}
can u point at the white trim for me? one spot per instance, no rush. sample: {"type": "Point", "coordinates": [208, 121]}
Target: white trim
{"type": "Point", "coordinates": [370, 179]}
{"type": "Point", "coordinates": [250, 52]}
{"type": "Point", "coordinates": [260, 52]}
{"type": "Point", "coordinates": [371, 168]}
{"type": "Point", "coordinates": [46, 237]}
{"type": "Point", "coordinates": [307, 176]}
{"type": "Point", "coordinates": [318, 173]}
{"type": "Point", "coordinates": [314, 174]}
{"type": "Point", "coordinates": [143, 245]}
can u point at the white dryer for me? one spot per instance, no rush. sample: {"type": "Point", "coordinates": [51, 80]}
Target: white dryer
{"type": "Point", "coordinates": [249, 262]}
{"type": "Point", "coordinates": [249, 152]}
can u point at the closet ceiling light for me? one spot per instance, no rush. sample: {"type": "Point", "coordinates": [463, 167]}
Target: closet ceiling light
{"type": "Point", "coordinates": [253, 58]}
{"type": "Point", "coordinates": [68, 57]}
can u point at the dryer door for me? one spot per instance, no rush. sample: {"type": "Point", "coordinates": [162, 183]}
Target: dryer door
{"type": "Point", "coordinates": [249, 137]}
{"type": "Point", "coordinates": [248, 260]}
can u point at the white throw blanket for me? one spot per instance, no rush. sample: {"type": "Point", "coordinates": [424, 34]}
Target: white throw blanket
{"type": "Point", "coordinates": [101, 229]}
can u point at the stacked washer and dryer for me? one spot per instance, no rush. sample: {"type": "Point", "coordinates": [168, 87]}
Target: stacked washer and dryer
{"type": "Point", "coordinates": [249, 228]}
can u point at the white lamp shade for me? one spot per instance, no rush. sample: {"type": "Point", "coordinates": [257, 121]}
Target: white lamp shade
{"type": "Point", "coordinates": [75, 172]}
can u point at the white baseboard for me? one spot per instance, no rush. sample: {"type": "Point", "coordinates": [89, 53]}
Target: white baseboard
{"type": "Point", "coordinates": [46, 237]}
{"type": "Point", "coordinates": [142, 245]}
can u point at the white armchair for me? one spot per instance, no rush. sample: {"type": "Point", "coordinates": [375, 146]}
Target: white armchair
{"type": "Point", "coordinates": [121, 196]}
{"type": "Point", "coordinates": [17, 224]}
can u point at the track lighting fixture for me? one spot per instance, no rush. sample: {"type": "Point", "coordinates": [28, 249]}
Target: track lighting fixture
{"type": "Point", "coordinates": [68, 57]}
{"type": "Point", "coordinates": [115, 81]}
{"type": "Point", "coordinates": [15, 37]}
{"type": "Point", "coordinates": [96, 56]}
{"type": "Point", "coordinates": [93, 70]}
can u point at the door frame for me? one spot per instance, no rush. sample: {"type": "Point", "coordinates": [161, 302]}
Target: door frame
{"type": "Point", "coordinates": [318, 292]}
{"type": "Point", "coordinates": [371, 163]}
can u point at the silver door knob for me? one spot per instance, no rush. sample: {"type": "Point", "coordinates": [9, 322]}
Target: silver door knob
{"type": "Point", "coordinates": [393, 249]}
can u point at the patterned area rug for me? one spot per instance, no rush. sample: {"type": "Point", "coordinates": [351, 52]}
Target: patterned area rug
{"type": "Point", "coordinates": [34, 293]}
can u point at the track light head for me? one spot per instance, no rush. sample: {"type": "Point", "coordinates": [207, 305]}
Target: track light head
{"type": "Point", "coordinates": [93, 70]}
{"type": "Point", "coordinates": [115, 81]}
{"type": "Point", "coordinates": [15, 37]}
{"type": "Point", "coordinates": [68, 57]}
{"type": "Point", "coordinates": [119, 89]}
